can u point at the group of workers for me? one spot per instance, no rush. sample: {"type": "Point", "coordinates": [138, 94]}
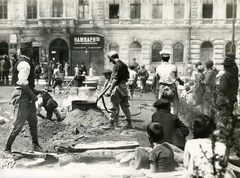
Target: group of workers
{"type": "Point", "coordinates": [171, 128]}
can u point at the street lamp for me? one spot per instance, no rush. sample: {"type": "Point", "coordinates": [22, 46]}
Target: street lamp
{"type": "Point", "coordinates": [233, 26]}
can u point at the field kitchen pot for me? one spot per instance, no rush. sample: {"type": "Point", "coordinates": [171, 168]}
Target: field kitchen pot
{"type": "Point", "coordinates": [84, 105]}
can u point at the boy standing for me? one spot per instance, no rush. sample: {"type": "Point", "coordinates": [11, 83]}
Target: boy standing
{"type": "Point", "coordinates": [132, 81]}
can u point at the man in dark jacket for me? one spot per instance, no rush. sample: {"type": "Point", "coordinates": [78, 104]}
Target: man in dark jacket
{"type": "Point", "coordinates": [228, 86]}
{"type": "Point", "coordinates": [175, 131]}
{"type": "Point", "coordinates": [118, 92]}
{"type": "Point", "coordinates": [46, 101]}
{"type": "Point", "coordinates": [209, 84]}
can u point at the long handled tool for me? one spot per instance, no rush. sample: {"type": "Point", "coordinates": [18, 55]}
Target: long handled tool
{"type": "Point", "coordinates": [68, 85]}
{"type": "Point", "coordinates": [103, 92]}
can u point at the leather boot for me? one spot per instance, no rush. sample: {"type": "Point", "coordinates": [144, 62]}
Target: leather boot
{"type": "Point", "coordinates": [35, 144]}
{"type": "Point", "coordinates": [128, 125]}
{"type": "Point", "coordinates": [9, 143]}
{"type": "Point", "coordinates": [110, 125]}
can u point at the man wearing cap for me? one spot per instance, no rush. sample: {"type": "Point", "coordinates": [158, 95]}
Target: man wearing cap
{"type": "Point", "coordinates": [209, 84]}
{"type": "Point", "coordinates": [175, 131]}
{"type": "Point", "coordinates": [118, 91]}
{"type": "Point", "coordinates": [228, 86]}
{"type": "Point", "coordinates": [23, 98]}
{"type": "Point", "coordinates": [107, 74]}
{"type": "Point", "coordinates": [143, 75]}
{"type": "Point", "coordinates": [168, 76]}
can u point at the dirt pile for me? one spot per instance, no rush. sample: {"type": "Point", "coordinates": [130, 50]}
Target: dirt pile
{"type": "Point", "coordinates": [73, 129]}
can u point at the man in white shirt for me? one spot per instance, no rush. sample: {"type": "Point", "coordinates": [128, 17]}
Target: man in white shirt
{"type": "Point", "coordinates": [168, 76]}
{"type": "Point", "coordinates": [23, 98]}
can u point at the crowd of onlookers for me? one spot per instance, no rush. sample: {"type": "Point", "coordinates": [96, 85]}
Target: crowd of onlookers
{"type": "Point", "coordinates": [204, 85]}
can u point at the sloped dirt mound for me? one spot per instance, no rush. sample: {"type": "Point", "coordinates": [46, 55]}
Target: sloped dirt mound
{"type": "Point", "coordinates": [77, 125]}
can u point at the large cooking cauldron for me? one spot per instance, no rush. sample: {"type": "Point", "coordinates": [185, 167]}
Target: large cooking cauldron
{"type": "Point", "coordinates": [84, 105]}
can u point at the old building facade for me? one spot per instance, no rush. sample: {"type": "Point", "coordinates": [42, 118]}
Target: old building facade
{"type": "Point", "coordinates": [85, 30]}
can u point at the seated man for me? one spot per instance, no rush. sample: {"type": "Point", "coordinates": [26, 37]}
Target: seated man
{"type": "Point", "coordinates": [50, 105]}
{"type": "Point", "coordinates": [175, 129]}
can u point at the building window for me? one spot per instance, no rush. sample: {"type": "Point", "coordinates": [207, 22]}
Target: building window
{"type": "Point", "coordinates": [57, 8]}
{"type": "Point", "coordinates": [114, 9]}
{"type": "Point", "coordinates": [113, 46]}
{"type": "Point", "coordinates": [230, 48]}
{"type": "Point", "coordinates": [178, 50]}
{"type": "Point", "coordinates": [31, 9]}
{"type": "Point", "coordinates": [156, 48]}
{"type": "Point", "coordinates": [3, 9]}
{"type": "Point", "coordinates": [207, 10]}
{"type": "Point", "coordinates": [157, 9]}
{"type": "Point", "coordinates": [229, 9]}
{"type": "Point", "coordinates": [135, 9]}
{"type": "Point", "coordinates": [178, 9]}
{"type": "Point", "coordinates": [83, 9]}
{"type": "Point", "coordinates": [206, 52]}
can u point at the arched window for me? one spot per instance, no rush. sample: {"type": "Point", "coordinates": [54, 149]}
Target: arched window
{"type": "Point", "coordinates": [178, 50]}
{"type": "Point", "coordinates": [4, 48]}
{"type": "Point", "coordinates": [135, 51]}
{"type": "Point", "coordinates": [156, 48]}
{"type": "Point", "coordinates": [206, 51]}
{"type": "Point", "coordinates": [228, 47]}
{"type": "Point", "coordinates": [113, 46]}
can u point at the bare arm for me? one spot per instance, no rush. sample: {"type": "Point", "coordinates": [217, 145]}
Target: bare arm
{"type": "Point", "coordinates": [153, 167]}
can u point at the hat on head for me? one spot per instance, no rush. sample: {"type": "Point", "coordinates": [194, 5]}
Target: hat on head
{"type": "Point", "coordinates": [111, 53]}
{"type": "Point", "coordinates": [209, 64]}
{"type": "Point", "coordinates": [228, 62]}
{"type": "Point", "coordinates": [230, 55]}
{"type": "Point", "coordinates": [161, 103]}
{"type": "Point", "coordinates": [107, 71]}
{"type": "Point", "coordinates": [165, 53]}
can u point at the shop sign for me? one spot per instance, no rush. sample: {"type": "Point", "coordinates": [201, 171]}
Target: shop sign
{"type": "Point", "coordinates": [36, 43]}
{"type": "Point", "coordinates": [13, 39]}
{"type": "Point", "coordinates": [93, 41]}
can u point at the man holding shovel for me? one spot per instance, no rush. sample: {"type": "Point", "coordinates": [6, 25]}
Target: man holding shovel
{"type": "Point", "coordinates": [118, 91]}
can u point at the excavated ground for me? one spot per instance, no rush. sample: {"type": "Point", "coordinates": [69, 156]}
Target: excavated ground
{"type": "Point", "coordinates": [84, 126]}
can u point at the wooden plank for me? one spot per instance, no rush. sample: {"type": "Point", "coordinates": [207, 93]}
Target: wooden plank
{"type": "Point", "coordinates": [107, 145]}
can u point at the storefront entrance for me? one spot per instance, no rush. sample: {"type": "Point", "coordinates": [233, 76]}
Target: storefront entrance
{"type": "Point", "coordinates": [4, 48]}
{"type": "Point", "coordinates": [87, 48]}
{"type": "Point", "coordinates": [58, 51]}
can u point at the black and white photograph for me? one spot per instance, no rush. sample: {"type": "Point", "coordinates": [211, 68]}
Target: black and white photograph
{"type": "Point", "coordinates": [119, 89]}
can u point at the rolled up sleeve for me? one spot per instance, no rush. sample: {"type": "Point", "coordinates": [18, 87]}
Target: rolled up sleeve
{"type": "Point", "coordinates": [24, 71]}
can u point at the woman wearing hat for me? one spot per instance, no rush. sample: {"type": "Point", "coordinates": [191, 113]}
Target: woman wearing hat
{"type": "Point", "coordinates": [228, 86]}
{"type": "Point", "coordinates": [198, 89]}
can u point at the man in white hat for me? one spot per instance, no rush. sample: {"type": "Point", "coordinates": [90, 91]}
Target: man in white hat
{"type": "Point", "coordinates": [118, 91]}
{"type": "Point", "coordinates": [168, 76]}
